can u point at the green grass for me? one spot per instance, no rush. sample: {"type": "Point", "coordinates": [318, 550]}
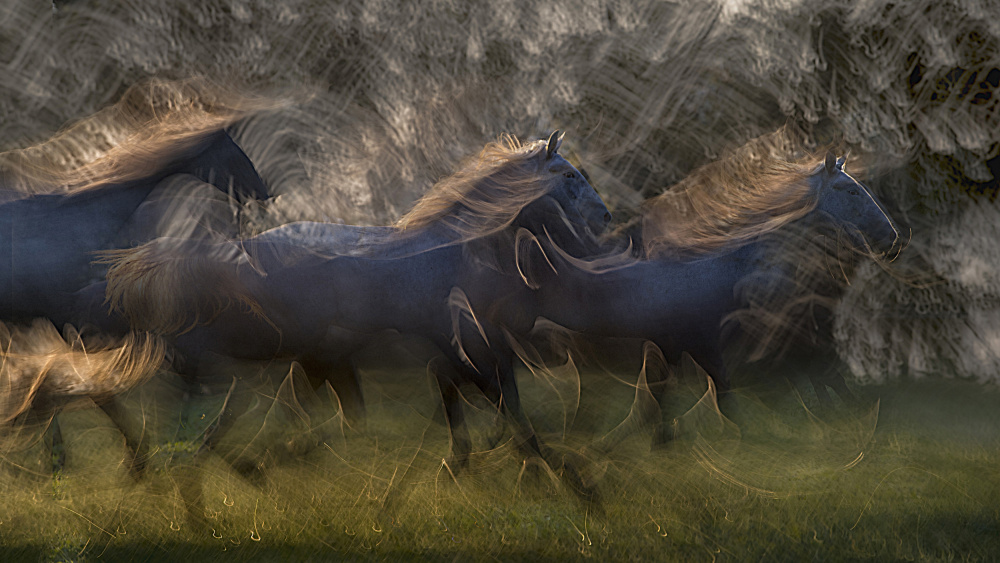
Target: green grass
{"type": "Point", "coordinates": [914, 476]}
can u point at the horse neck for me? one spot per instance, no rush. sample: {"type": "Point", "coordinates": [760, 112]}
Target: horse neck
{"type": "Point", "coordinates": [105, 209]}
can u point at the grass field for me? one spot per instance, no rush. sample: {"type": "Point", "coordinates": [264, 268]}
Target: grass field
{"type": "Point", "coordinates": [914, 475]}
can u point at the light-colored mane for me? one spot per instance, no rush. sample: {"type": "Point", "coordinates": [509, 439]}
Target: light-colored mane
{"type": "Point", "coordinates": [754, 190]}
{"type": "Point", "coordinates": [486, 194]}
{"type": "Point", "coordinates": [152, 121]}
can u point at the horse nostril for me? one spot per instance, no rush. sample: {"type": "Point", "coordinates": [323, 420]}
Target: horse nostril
{"type": "Point", "coordinates": [607, 217]}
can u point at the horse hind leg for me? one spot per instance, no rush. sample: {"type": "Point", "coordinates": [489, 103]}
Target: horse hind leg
{"type": "Point", "coordinates": [833, 379]}
{"type": "Point", "coordinates": [527, 440]}
{"type": "Point", "coordinates": [137, 446]}
{"type": "Point", "coordinates": [343, 376]}
{"type": "Point", "coordinates": [655, 374]}
{"type": "Point", "coordinates": [46, 410]}
{"type": "Point", "coordinates": [236, 404]}
{"type": "Point", "coordinates": [55, 446]}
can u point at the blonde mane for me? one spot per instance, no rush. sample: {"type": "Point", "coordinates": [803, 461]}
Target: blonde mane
{"type": "Point", "coordinates": [486, 194]}
{"type": "Point", "coordinates": [152, 121]}
{"type": "Point", "coordinates": [754, 190]}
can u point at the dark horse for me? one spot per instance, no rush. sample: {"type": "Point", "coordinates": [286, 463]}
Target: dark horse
{"type": "Point", "coordinates": [50, 240]}
{"type": "Point", "coordinates": [743, 240]}
{"type": "Point", "coordinates": [53, 222]}
{"type": "Point", "coordinates": [451, 271]}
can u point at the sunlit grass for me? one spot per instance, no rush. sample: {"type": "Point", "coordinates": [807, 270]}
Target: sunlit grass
{"type": "Point", "coordinates": [910, 476]}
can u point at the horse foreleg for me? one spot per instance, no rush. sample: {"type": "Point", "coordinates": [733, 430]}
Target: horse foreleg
{"type": "Point", "coordinates": [138, 448]}
{"type": "Point", "coordinates": [235, 405]}
{"type": "Point", "coordinates": [343, 377]}
{"type": "Point", "coordinates": [527, 440]}
{"type": "Point", "coordinates": [819, 384]}
{"type": "Point", "coordinates": [524, 433]}
{"type": "Point", "coordinates": [656, 376]}
{"type": "Point", "coordinates": [451, 397]}
{"type": "Point", "coordinates": [532, 445]}
{"type": "Point", "coordinates": [839, 385]}
{"type": "Point", "coordinates": [55, 445]}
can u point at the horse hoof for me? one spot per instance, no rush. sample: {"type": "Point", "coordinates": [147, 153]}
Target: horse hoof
{"type": "Point", "coordinates": [58, 462]}
{"type": "Point", "coordinates": [585, 491]}
{"type": "Point", "coordinates": [137, 469]}
{"type": "Point", "coordinates": [250, 471]}
{"type": "Point", "coordinates": [458, 463]}
{"type": "Point", "coordinates": [662, 436]}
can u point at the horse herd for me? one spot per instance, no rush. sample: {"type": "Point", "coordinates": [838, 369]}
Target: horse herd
{"type": "Point", "coordinates": [516, 235]}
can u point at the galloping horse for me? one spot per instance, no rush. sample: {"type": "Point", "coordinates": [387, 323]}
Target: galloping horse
{"type": "Point", "coordinates": [744, 239]}
{"type": "Point", "coordinates": [443, 273]}
{"type": "Point", "coordinates": [53, 221]}
{"type": "Point", "coordinates": [51, 239]}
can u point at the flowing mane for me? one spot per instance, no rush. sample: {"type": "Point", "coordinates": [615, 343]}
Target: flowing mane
{"type": "Point", "coordinates": [754, 190]}
{"type": "Point", "coordinates": [152, 121]}
{"type": "Point", "coordinates": [486, 194]}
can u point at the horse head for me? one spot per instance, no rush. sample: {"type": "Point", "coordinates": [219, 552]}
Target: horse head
{"type": "Point", "coordinates": [851, 205]}
{"type": "Point", "coordinates": [571, 211]}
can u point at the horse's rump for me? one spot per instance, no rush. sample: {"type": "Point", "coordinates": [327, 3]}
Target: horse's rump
{"type": "Point", "coordinates": [172, 285]}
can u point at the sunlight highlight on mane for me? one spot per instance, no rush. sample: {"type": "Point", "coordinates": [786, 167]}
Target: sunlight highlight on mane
{"type": "Point", "coordinates": [152, 121]}
{"type": "Point", "coordinates": [486, 194]}
{"type": "Point", "coordinates": [38, 360]}
{"type": "Point", "coordinates": [757, 188]}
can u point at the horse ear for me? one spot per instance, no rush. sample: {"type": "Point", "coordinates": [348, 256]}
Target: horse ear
{"type": "Point", "coordinates": [555, 139]}
{"type": "Point", "coordinates": [831, 162]}
{"type": "Point", "coordinates": [841, 162]}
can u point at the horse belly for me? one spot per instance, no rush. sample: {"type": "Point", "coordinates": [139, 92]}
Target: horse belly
{"type": "Point", "coordinates": [362, 296]}
{"type": "Point", "coordinates": [234, 333]}
{"type": "Point", "coordinates": [408, 295]}
{"type": "Point", "coordinates": [657, 301]}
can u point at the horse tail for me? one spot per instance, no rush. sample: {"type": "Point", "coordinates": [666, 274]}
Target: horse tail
{"type": "Point", "coordinates": [170, 286]}
{"type": "Point", "coordinates": [37, 360]}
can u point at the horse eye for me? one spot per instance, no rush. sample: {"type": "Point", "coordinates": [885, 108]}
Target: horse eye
{"type": "Point", "coordinates": [569, 175]}
{"type": "Point", "coordinates": [853, 192]}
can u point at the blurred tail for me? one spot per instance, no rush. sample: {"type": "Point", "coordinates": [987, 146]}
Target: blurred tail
{"type": "Point", "coordinates": [172, 285]}
{"type": "Point", "coordinates": [38, 360]}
